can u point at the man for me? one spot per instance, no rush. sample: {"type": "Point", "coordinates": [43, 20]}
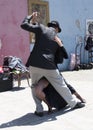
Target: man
{"type": "Point", "coordinates": [41, 61]}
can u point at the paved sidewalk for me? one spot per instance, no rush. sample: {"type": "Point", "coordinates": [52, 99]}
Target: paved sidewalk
{"type": "Point", "coordinates": [17, 107]}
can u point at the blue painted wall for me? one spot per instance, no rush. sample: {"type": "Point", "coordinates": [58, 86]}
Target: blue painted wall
{"type": "Point", "coordinates": [72, 15]}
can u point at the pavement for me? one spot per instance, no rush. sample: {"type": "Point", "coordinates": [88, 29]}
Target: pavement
{"type": "Point", "coordinates": [17, 107]}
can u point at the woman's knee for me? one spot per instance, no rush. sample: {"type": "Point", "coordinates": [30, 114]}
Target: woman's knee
{"type": "Point", "coordinates": [39, 86]}
{"type": "Point", "coordinates": [39, 93]}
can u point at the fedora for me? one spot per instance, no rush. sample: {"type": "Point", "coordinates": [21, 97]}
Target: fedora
{"type": "Point", "coordinates": [54, 24]}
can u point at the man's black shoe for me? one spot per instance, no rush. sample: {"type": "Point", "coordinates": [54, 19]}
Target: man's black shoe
{"type": "Point", "coordinates": [79, 105]}
{"type": "Point", "coordinates": [40, 114]}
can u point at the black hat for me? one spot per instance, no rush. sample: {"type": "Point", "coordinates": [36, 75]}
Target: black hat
{"type": "Point", "coordinates": [54, 24]}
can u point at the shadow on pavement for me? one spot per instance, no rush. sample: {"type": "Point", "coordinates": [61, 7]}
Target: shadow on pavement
{"type": "Point", "coordinates": [32, 119]}
{"type": "Point", "coordinates": [17, 89]}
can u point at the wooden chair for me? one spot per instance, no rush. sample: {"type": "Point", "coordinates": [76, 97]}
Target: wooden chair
{"type": "Point", "coordinates": [19, 76]}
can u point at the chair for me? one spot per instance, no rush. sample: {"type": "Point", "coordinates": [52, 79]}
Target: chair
{"type": "Point", "coordinates": [20, 75]}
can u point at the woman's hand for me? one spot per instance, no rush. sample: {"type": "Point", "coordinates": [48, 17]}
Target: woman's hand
{"type": "Point", "coordinates": [57, 39]}
{"type": "Point", "coordinates": [35, 16]}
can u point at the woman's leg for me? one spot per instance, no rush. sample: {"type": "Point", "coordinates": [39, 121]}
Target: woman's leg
{"type": "Point", "coordinates": [41, 84]}
{"type": "Point", "coordinates": [73, 91]}
{"type": "Point", "coordinates": [79, 97]}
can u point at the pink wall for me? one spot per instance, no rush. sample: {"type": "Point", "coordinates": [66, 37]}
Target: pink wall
{"type": "Point", "coordinates": [14, 40]}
